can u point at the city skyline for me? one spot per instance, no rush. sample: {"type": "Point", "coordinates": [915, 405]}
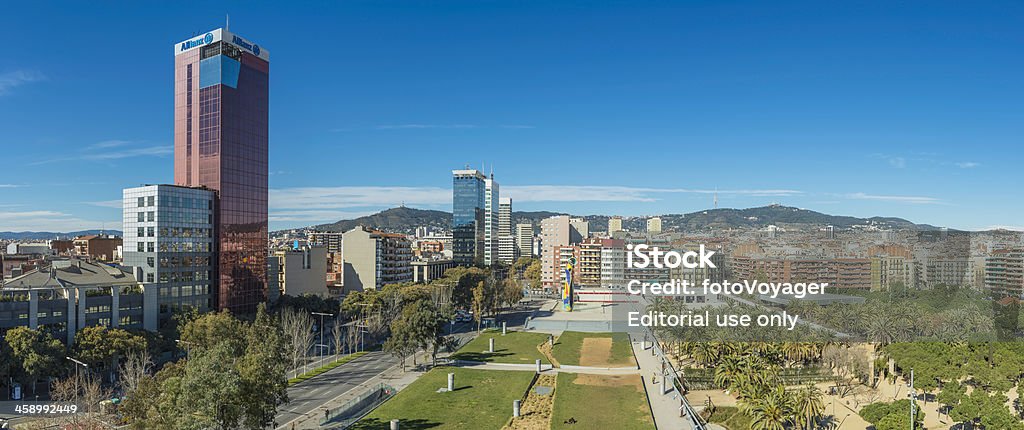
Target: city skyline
{"type": "Point", "coordinates": [844, 111]}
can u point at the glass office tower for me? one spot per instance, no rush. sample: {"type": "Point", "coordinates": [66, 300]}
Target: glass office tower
{"type": "Point", "coordinates": [468, 213]}
{"type": "Point", "coordinates": [221, 109]}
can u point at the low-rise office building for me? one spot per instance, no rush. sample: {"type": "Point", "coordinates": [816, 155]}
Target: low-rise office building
{"type": "Point", "coordinates": [428, 270]}
{"type": "Point", "coordinates": [70, 294]}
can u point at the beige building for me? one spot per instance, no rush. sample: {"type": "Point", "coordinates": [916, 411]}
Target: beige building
{"type": "Point", "coordinates": [590, 263]}
{"type": "Point", "coordinates": [524, 239]}
{"type": "Point", "coordinates": [373, 259]}
{"type": "Point", "coordinates": [614, 224]}
{"type": "Point", "coordinates": [554, 233]}
{"type": "Point", "coordinates": [302, 271]}
{"type": "Point", "coordinates": [654, 225]}
{"type": "Point", "coordinates": [1004, 272]}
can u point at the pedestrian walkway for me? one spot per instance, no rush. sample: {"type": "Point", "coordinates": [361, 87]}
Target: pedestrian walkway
{"type": "Point", "coordinates": [547, 368]}
{"type": "Point", "coordinates": [664, 406]}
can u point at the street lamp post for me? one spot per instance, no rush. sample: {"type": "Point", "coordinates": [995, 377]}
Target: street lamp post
{"type": "Point", "coordinates": [78, 379]}
{"type": "Point", "coordinates": [322, 315]}
{"type": "Point", "coordinates": [188, 349]}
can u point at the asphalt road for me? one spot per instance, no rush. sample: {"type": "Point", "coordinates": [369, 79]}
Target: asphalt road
{"type": "Point", "coordinates": [309, 395]}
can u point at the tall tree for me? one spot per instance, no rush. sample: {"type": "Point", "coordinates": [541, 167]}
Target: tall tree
{"type": "Point", "coordinates": [101, 347]}
{"type": "Point", "coordinates": [36, 353]}
{"type": "Point", "coordinates": [262, 372]}
{"type": "Point", "coordinates": [298, 330]}
{"type": "Point", "coordinates": [479, 302]}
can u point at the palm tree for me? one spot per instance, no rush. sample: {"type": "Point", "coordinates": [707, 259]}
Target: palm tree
{"type": "Point", "coordinates": [771, 411]}
{"type": "Point", "coordinates": [728, 370]}
{"type": "Point", "coordinates": [706, 353]}
{"type": "Point", "coordinates": [808, 406]}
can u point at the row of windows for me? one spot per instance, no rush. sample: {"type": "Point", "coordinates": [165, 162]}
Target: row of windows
{"type": "Point", "coordinates": [166, 277]}
{"type": "Point", "coordinates": [97, 309]}
{"type": "Point", "coordinates": [184, 291]}
{"type": "Point", "coordinates": [177, 217]}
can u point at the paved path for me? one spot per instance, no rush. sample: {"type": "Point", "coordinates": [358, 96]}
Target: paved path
{"type": "Point", "coordinates": [547, 368]}
{"type": "Point", "coordinates": [665, 407]}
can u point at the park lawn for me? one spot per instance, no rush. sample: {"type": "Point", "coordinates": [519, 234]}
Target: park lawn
{"type": "Point", "coordinates": [601, 402]}
{"type": "Point", "coordinates": [731, 418]}
{"type": "Point", "coordinates": [482, 400]}
{"type": "Point", "coordinates": [514, 347]}
{"type": "Point", "coordinates": [570, 349]}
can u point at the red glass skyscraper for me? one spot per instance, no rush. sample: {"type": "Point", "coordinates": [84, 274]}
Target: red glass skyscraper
{"type": "Point", "coordinates": [221, 109]}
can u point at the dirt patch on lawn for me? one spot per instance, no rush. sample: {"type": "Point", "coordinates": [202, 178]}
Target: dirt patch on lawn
{"type": "Point", "coordinates": [596, 351]}
{"type": "Point", "coordinates": [535, 412]}
{"type": "Point", "coordinates": [610, 381]}
{"type": "Point", "coordinates": [545, 348]}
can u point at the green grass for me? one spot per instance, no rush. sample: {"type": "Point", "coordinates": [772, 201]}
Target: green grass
{"type": "Point", "coordinates": [570, 343]}
{"type": "Point", "coordinates": [731, 418]}
{"type": "Point", "coordinates": [482, 400]}
{"type": "Point", "coordinates": [605, 406]}
{"type": "Point", "coordinates": [514, 347]}
{"type": "Point", "coordinates": [326, 367]}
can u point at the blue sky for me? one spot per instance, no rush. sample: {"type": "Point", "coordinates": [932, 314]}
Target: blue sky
{"type": "Point", "coordinates": [860, 108]}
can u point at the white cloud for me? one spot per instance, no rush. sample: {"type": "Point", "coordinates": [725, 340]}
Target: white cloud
{"type": "Point", "coordinates": [967, 165]}
{"type": "Point", "coordinates": [10, 186]}
{"type": "Point", "coordinates": [109, 144]}
{"type": "Point", "coordinates": [316, 216]}
{"type": "Point", "coordinates": [50, 221]}
{"type": "Point", "coordinates": [116, 204]}
{"type": "Point", "coordinates": [597, 193]}
{"type": "Point", "coordinates": [113, 150]}
{"type": "Point", "coordinates": [306, 198]}
{"type": "Point", "coordinates": [17, 78]}
{"type": "Point", "coordinates": [1003, 227]}
{"type": "Point", "coordinates": [349, 197]}
{"type": "Point", "coordinates": [896, 199]}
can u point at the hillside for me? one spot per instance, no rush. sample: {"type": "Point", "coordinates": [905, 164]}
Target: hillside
{"type": "Point", "coordinates": [405, 220]}
{"type": "Point", "coordinates": [47, 235]}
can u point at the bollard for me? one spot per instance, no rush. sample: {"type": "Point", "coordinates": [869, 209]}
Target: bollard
{"type": "Point", "coordinates": [551, 340]}
{"type": "Point", "coordinates": [394, 424]}
{"type": "Point", "coordinates": [503, 328]}
{"type": "Point", "coordinates": [515, 408]}
{"type": "Point", "coordinates": [538, 366]}
{"type": "Point", "coordinates": [491, 345]}
{"type": "Point", "coordinates": [451, 382]}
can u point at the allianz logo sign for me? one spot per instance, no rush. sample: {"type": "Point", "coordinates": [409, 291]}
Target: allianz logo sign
{"type": "Point", "coordinates": [252, 47]}
{"type": "Point", "coordinates": [189, 44]}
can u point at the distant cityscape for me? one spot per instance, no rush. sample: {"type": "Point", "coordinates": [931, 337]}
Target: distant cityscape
{"type": "Point", "coordinates": [196, 286]}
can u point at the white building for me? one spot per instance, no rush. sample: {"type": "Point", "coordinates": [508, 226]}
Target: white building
{"type": "Point", "coordinates": [29, 248]}
{"type": "Point", "coordinates": [169, 243]}
{"type": "Point", "coordinates": [491, 209]}
{"type": "Point", "coordinates": [507, 249]}
{"type": "Point", "coordinates": [613, 264]}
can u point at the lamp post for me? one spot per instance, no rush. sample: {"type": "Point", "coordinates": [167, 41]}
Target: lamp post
{"type": "Point", "coordinates": [322, 315]}
{"type": "Point", "coordinates": [188, 349]}
{"type": "Point", "coordinates": [77, 377]}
